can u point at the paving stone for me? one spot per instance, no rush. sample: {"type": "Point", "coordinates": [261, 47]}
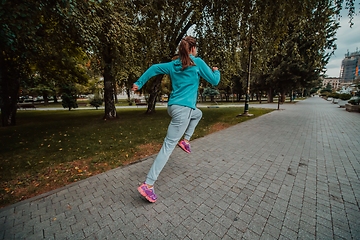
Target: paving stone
{"type": "Point", "coordinates": [219, 230]}
{"type": "Point", "coordinates": [250, 235]}
{"type": "Point", "coordinates": [211, 236]}
{"type": "Point", "coordinates": [289, 233]}
{"type": "Point", "coordinates": [196, 234]}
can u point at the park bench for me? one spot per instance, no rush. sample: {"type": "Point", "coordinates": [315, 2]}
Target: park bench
{"type": "Point", "coordinates": [26, 105]}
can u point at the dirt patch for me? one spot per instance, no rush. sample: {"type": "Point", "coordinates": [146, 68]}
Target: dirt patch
{"type": "Point", "coordinates": [218, 126]}
{"type": "Point", "coordinates": [50, 178]}
{"type": "Point", "coordinates": [144, 151]}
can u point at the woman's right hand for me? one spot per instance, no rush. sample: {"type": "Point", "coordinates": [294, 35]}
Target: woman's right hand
{"type": "Point", "coordinates": [135, 87]}
{"type": "Point", "coordinates": [214, 69]}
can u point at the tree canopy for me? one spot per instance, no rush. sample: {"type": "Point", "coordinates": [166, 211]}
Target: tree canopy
{"type": "Point", "coordinates": [44, 43]}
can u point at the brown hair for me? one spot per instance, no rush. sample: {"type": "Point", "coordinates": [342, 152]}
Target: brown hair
{"type": "Point", "coordinates": [184, 50]}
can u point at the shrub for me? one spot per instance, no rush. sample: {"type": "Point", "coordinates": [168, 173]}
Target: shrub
{"type": "Point", "coordinates": [96, 102]}
{"type": "Point", "coordinates": [334, 95]}
{"type": "Point", "coordinates": [324, 94]}
{"type": "Point", "coordinates": [354, 101]}
{"type": "Point", "coordinates": [345, 96]}
{"type": "Point", "coordinates": [210, 92]}
{"type": "Point", "coordinates": [69, 96]}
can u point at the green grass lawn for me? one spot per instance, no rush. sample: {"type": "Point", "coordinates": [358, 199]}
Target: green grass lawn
{"type": "Point", "coordinates": [50, 149]}
{"type": "Point", "coordinates": [120, 103]}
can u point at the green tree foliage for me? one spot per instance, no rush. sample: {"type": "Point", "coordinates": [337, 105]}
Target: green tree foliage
{"type": "Point", "coordinates": [107, 33]}
{"type": "Point", "coordinates": [210, 92]}
{"type": "Point", "coordinates": [125, 37]}
{"type": "Point", "coordinates": [69, 95]}
{"type": "Point", "coordinates": [97, 101]}
{"type": "Point", "coordinates": [289, 41]}
{"type": "Point", "coordinates": [18, 23]}
{"type": "Point", "coordinates": [34, 34]}
{"type": "Point", "coordinates": [345, 96]}
{"type": "Point", "coordinates": [302, 55]}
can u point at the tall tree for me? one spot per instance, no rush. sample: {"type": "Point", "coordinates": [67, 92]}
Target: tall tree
{"type": "Point", "coordinates": [30, 32]}
{"type": "Point", "coordinates": [107, 34]}
{"type": "Point", "coordinates": [18, 24]}
{"type": "Point", "coordinates": [301, 55]}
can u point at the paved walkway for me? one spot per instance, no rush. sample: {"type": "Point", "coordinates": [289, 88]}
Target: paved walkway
{"type": "Point", "coordinates": [290, 174]}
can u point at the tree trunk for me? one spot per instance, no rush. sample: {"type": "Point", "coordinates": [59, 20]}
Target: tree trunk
{"type": "Point", "coordinates": [279, 103]}
{"type": "Point", "coordinates": [115, 93]}
{"type": "Point", "coordinates": [128, 94]}
{"type": "Point", "coordinates": [270, 97]}
{"type": "Point", "coordinates": [282, 94]}
{"type": "Point", "coordinates": [9, 96]}
{"type": "Point", "coordinates": [154, 93]}
{"type": "Point", "coordinates": [201, 90]}
{"type": "Point", "coordinates": [260, 95]}
{"type": "Point", "coordinates": [46, 99]}
{"type": "Point", "coordinates": [9, 89]}
{"type": "Point", "coordinates": [110, 110]}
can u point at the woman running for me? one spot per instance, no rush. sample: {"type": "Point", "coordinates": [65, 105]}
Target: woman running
{"type": "Point", "coordinates": [184, 73]}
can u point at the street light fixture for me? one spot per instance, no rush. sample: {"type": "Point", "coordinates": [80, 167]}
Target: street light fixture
{"type": "Point", "coordinates": [247, 99]}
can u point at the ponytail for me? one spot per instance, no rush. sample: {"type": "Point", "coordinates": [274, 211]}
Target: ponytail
{"type": "Point", "coordinates": [184, 50]}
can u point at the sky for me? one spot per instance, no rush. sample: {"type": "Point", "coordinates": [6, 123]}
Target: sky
{"type": "Point", "coordinates": [348, 39]}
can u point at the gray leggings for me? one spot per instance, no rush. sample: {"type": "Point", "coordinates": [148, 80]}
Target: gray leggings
{"type": "Point", "coordinates": [184, 120]}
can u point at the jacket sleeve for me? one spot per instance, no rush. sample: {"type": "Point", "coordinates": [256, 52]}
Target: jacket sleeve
{"type": "Point", "coordinates": [212, 77]}
{"type": "Point", "coordinates": [156, 69]}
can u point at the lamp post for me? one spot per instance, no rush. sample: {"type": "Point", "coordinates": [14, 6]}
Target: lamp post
{"type": "Point", "coordinates": [247, 99]}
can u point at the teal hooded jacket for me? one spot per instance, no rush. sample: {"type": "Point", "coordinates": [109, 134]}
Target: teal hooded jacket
{"type": "Point", "coordinates": [184, 83]}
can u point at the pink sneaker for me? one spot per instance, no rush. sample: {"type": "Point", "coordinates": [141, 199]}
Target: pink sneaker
{"type": "Point", "coordinates": [148, 193]}
{"type": "Point", "coordinates": [185, 146]}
